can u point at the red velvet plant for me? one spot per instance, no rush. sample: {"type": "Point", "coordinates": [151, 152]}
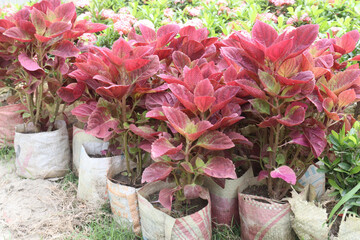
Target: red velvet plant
{"type": "Point", "coordinates": [198, 112]}
{"type": "Point", "coordinates": [295, 93]}
{"type": "Point", "coordinates": [42, 39]}
{"type": "Point", "coordinates": [120, 77]}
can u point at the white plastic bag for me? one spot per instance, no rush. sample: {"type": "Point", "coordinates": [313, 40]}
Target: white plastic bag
{"type": "Point", "coordinates": [44, 154]}
{"type": "Point", "coordinates": [80, 137]}
{"type": "Point", "coordinates": [93, 171]}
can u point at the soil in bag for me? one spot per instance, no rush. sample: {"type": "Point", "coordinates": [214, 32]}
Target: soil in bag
{"type": "Point", "coordinates": [334, 230]}
{"type": "Point", "coordinates": [123, 179]}
{"type": "Point", "coordinates": [185, 208]}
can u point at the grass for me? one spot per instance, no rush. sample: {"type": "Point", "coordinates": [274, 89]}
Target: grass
{"type": "Point", "coordinates": [103, 227]}
{"type": "Point", "coordinates": [222, 232]}
{"type": "Point", "coordinates": [7, 153]}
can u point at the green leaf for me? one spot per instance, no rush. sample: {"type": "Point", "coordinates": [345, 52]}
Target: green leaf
{"type": "Point", "coordinates": [345, 166]}
{"type": "Point", "coordinates": [199, 163]}
{"type": "Point", "coordinates": [355, 170]}
{"type": "Point", "coordinates": [260, 105]}
{"type": "Point", "coordinates": [344, 199]}
{"type": "Point", "coordinates": [334, 184]}
{"type": "Point", "coordinates": [269, 82]}
{"type": "Point", "coordinates": [280, 159]}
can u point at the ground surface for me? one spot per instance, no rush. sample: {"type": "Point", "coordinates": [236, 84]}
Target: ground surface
{"type": "Point", "coordinates": [37, 209]}
{"type": "Point", "coordinates": [43, 210]}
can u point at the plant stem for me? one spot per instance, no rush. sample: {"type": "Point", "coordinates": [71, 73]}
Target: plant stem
{"type": "Point", "coordinates": [38, 105]}
{"type": "Point", "coordinates": [187, 159]}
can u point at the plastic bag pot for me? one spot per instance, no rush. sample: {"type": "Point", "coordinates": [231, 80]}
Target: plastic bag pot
{"type": "Point", "coordinates": [314, 178]}
{"type": "Point", "coordinates": [80, 137]}
{"type": "Point", "coordinates": [9, 118]}
{"type": "Point", "coordinates": [224, 201]}
{"type": "Point", "coordinates": [44, 154]}
{"type": "Point", "coordinates": [264, 219]}
{"type": "Point", "coordinates": [93, 171]}
{"type": "Point", "coordinates": [124, 203]}
{"type": "Point", "coordinates": [157, 225]}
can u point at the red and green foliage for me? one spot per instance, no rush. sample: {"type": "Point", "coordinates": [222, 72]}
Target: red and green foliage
{"type": "Point", "coordinates": [296, 90]}
{"type": "Point", "coordinates": [40, 43]}
{"type": "Point", "coordinates": [198, 111]}
{"type": "Point", "coordinates": [118, 80]}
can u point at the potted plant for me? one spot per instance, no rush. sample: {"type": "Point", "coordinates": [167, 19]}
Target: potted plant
{"type": "Point", "coordinates": [43, 39]}
{"type": "Point", "coordinates": [288, 95]}
{"type": "Point", "coordinates": [120, 77]}
{"type": "Point", "coordinates": [188, 147]}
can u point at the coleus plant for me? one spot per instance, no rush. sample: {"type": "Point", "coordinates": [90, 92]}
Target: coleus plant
{"type": "Point", "coordinates": [42, 39]}
{"type": "Point", "coordinates": [293, 97]}
{"type": "Point", "coordinates": [120, 77]}
{"type": "Point", "coordinates": [198, 113]}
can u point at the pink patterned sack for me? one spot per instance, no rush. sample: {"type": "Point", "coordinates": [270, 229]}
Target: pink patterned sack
{"type": "Point", "coordinates": [9, 118]}
{"type": "Point", "coordinates": [264, 219]}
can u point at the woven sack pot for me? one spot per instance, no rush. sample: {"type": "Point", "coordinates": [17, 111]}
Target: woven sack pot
{"type": "Point", "coordinates": [157, 225]}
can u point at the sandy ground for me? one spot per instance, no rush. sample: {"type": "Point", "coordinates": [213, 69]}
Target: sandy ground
{"type": "Point", "coordinates": [37, 209]}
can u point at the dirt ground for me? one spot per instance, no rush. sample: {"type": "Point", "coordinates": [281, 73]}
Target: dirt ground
{"type": "Point", "coordinates": [37, 209]}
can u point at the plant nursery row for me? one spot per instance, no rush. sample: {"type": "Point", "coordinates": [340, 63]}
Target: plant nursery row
{"type": "Point", "coordinates": [183, 126]}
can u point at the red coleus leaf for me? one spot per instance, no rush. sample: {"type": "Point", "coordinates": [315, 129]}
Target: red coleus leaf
{"type": "Point", "coordinates": [294, 115]}
{"type": "Point", "coordinates": [148, 33]}
{"type": "Point", "coordinates": [184, 96]}
{"type": "Point", "coordinates": [28, 63]}
{"type": "Point", "coordinates": [193, 191]}
{"type": "Point", "coordinates": [71, 92]}
{"type": "Point", "coordinates": [193, 49]}
{"type": "Point", "coordinates": [180, 60]}
{"type": "Point", "coordinates": [227, 121]}
{"type": "Point", "coordinates": [215, 140]}
{"type": "Point", "coordinates": [346, 97]}
{"type": "Point", "coordinates": [299, 78]}
{"type": "Point", "coordinates": [160, 99]}
{"type": "Point", "coordinates": [237, 138]}
{"type": "Point", "coordinates": [101, 124]}
{"type": "Point", "coordinates": [163, 146]}
{"type": "Point", "coordinates": [192, 77]}
{"type": "Point", "coordinates": [56, 29]}
{"type": "Point", "coordinates": [156, 171]}
{"type": "Point", "coordinates": [262, 175]}
{"type": "Point", "coordinates": [264, 33]}
{"type": "Point", "coordinates": [348, 41]}
{"type": "Point", "coordinates": [18, 34]}
{"type": "Point", "coordinates": [240, 58]}
{"type": "Point", "coordinates": [270, 121]}
{"type": "Point", "coordinates": [252, 50]}
{"type": "Point", "coordinates": [83, 111]}
{"type": "Point", "coordinates": [279, 50]}
{"type": "Point", "coordinates": [27, 26]}
{"type": "Point", "coordinates": [203, 95]}
{"type": "Point", "coordinates": [220, 167]}
{"type": "Point", "coordinates": [113, 91]}
{"type": "Point", "coordinates": [145, 132]}
{"type": "Point", "coordinates": [316, 138]}
{"type": "Point", "coordinates": [134, 64]}
{"type": "Point", "coordinates": [166, 196]}
{"type": "Point", "coordinates": [343, 80]}
{"type": "Point", "coordinates": [65, 12]}
{"type": "Point", "coordinates": [251, 88]}
{"type": "Point", "coordinates": [223, 96]}
{"type": "Point", "coordinates": [285, 173]}
{"type": "Point", "coordinates": [299, 138]}
{"type": "Point", "coordinates": [121, 48]}
{"type": "Point", "coordinates": [303, 37]}
{"type": "Point", "coordinates": [328, 105]}
{"type": "Point", "coordinates": [65, 49]}
{"type": "Point", "coordinates": [183, 125]}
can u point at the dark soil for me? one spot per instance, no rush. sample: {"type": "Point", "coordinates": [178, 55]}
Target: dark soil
{"type": "Point", "coordinates": [96, 156]}
{"type": "Point", "coordinates": [260, 191]}
{"type": "Point", "coordinates": [334, 230]}
{"type": "Point", "coordinates": [125, 180]}
{"type": "Point", "coordinates": [185, 208]}
{"type": "Point", "coordinates": [240, 172]}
